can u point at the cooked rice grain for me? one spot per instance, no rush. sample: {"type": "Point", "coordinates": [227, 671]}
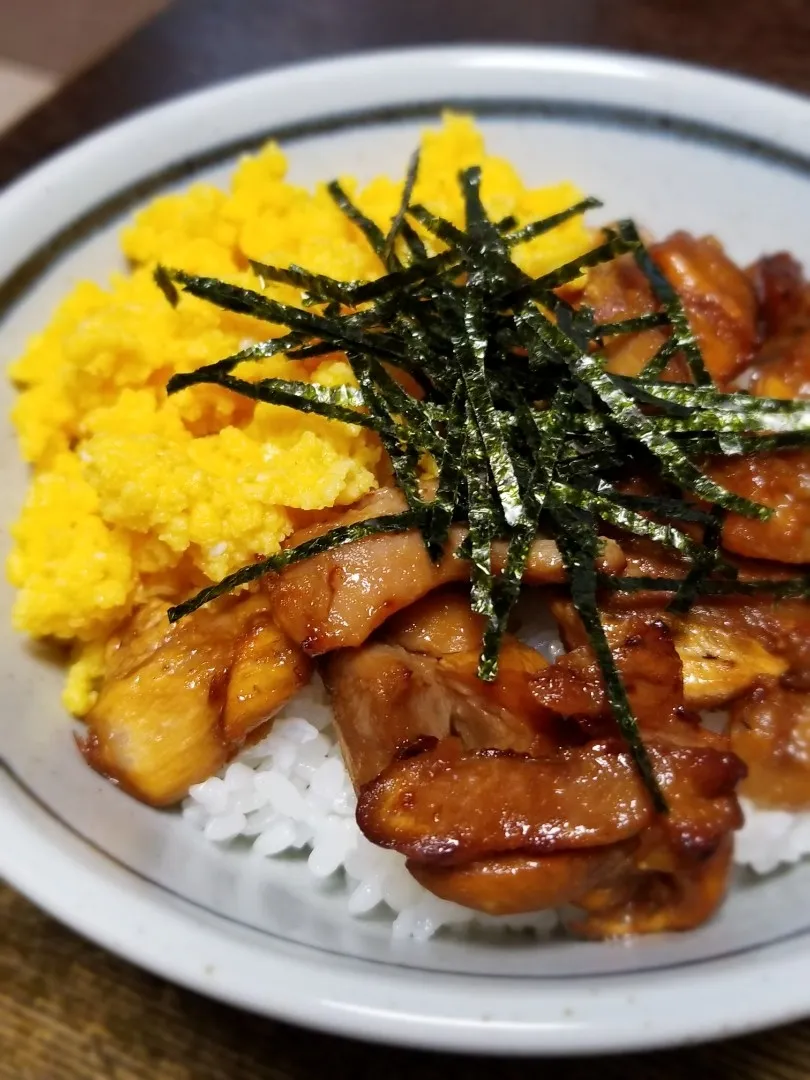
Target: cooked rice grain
{"type": "Point", "coordinates": [291, 792]}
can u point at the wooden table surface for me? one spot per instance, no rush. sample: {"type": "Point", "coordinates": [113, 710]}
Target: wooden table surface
{"type": "Point", "coordinates": [69, 1010]}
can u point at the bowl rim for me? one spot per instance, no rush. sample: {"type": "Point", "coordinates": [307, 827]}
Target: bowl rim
{"type": "Point", "coordinates": [136, 919]}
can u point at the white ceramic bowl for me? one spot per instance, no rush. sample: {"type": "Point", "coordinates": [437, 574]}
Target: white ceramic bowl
{"type": "Point", "coordinates": [670, 145]}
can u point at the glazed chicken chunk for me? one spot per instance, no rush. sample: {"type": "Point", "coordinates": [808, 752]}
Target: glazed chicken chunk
{"type": "Point", "coordinates": [178, 701]}
{"type": "Point", "coordinates": [770, 730]}
{"type": "Point", "coordinates": [520, 794]}
{"type": "Point", "coordinates": [719, 299]}
{"type": "Point", "coordinates": [339, 598]}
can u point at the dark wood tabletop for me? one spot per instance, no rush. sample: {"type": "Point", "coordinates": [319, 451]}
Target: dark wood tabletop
{"type": "Point", "coordinates": [67, 1009]}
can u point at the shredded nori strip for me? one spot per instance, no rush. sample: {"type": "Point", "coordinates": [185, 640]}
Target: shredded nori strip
{"type": "Point", "coordinates": [341, 331]}
{"type": "Point", "coordinates": [681, 330]}
{"type": "Point", "coordinates": [631, 326]}
{"type": "Point", "coordinates": [577, 541]}
{"type": "Point", "coordinates": [318, 286]}
{"type": "Point", "coordinates": [213, 372]}
{"type": "Point", "coordinates": [626, 518]}
{"type": "Point", "coordinates": [705, 560]}
{"type": "Point", "coordinates": [545, 225]}
{"type": "Point", "coordinates": [445, 501]}
{"type": "Point", "coordinates": [335, 403]}
{"type": "Point", "coordinates": [166, 285]}
{"type": "Point", "coordinates": [570, 271]}
{"type": "Point", "coordinates": [372, 232]}
{"type": "Point", "coordinates": [341, 534]}
{"type": "Point", "coordinates": [527, 428]}
{"type": "Point", "coordinates": [472, 348]}
{"type": "Point", "coordinates": [399, 216]}
{"type": "Point", "coordinates": [481, 515]}
{"type": "Point", "coordinates": [674, 463]}
{"type": "Point", "coordinates": [402, 454]}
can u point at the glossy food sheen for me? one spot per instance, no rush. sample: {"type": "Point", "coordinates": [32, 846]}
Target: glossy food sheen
{"type": "Point", "coordinates": [446, 806]}
{"type": "Point", "coordinates": [780, 481]}
{"type": "Point", "coordinates": [513, 884]}
{"type": "Point", "coordinates": [179, 701]}
{"type": "Point", "coordinates": [421, 680]}
{"type": "Point", "coordinates": [661, 893]}
{"type": "Point", "coordinates": [339, 598]}
{"type": "Point", "coordinates": [770, 730]}
{"type": "Point", "coordinates": [719, 299]}
{"type": "Point", "coordinates": [718, 662]}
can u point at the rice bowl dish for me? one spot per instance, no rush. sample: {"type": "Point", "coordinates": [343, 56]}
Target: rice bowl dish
{"type": "Point", "coordinates": [222, 480]}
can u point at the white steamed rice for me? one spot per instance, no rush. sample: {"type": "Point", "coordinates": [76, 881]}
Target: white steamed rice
{"type": "Point", "coordinates": [291, 793]}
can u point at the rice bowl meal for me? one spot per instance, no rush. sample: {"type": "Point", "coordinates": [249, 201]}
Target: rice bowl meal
{"type": "Point", "coordinates": [427, 532]}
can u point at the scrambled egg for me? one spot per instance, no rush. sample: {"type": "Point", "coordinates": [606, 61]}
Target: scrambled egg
{"type": "Point", "coordinates": [136, 495]}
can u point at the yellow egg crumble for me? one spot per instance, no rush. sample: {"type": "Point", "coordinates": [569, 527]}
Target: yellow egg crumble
{"type": "Point", "coordinates": [136, 494]}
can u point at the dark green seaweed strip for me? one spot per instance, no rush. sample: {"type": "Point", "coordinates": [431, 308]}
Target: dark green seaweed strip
{"type": "Point", "coordinates": [415, 418]}
{"type": "Point", "coordinates": [417, 272]}
{"type": "Point", "coordinates": [544, 448]}
{"type": "Point", "coordinates": [483, 250]}
{"type": "Point", "coordinates": [472, 346]}
{"type": "Point", "coordinates": [166, 285]}
{"type": "Point", "coordinates": [505, 593]}
{"type": "Point", "coordinates": [399, 216]}
{"type": "Point", "coordinates": [491, 255]}
{"type": "Point", "coordinates": [707, 397]}
{"type": "Point", "coordinates": [342, 331]}
{"type": "Point", "coordinates": [478, 224]}
{"type": "Point", "coordinates": [704, 565]}
{"type": "Point", "coordinates": [626, 518]}
{"type": "Point", "coordinates": [506, 224]}
{"type": "Point", "coordinates": [512, 277]}
{"type": "Point", "coordinates": [577, 323]}
{"type": "Point", "coordinates": [334, 403]}
{"type": "Point", "coordinates": [416, 245]}
{"type": "Point", "coordinates": [337, 537]}
{"type": "Point", "coordinates": [705, 422]}
{"type": "Point", "coordinates": [469, 247]}
{"type": "Point", "coordinates": [667, 295]}
{"type": "Point", "coordinates": [481, 517]}
{"type": "Point", "coordinates": [483, 409]}
{"type": "Point", "coordinates": [372, 232]}
{"type": "Point", "coordinates": [671, 458]}
{"type": "Point", "coordinates": [731, 445]}
{"type": "Point", "coordinates": [318, 286]}
{"type": "Point", "coordinates": [657, 363]}
{"type": "Point", "coordinates": [442, 508]}
{"type": "Point", "coordinates": [212, 372]}
{"type": "Point", "coordinates": [544, 225]}
{"type": "Point", "coordinates": [573, 269]}
{"type": "Point", "coordinates": [721, 421]}
{"type": "Point", "coordinates": [506, 587]}
{"type": "Point", "coordinates": [421, 361]}
{"type": "Point", "coordinates": [445, 230]}
{"type": "Point", "coordinates": [631, 326]}
{"type": "Point", "coordinates": [403, 455]}
{"type": "Point", "coordinates": [292, 343]}
{"type": "Point", "coordinates": [775, 421]}
{"type": "Point", "coordinates": [663, 505]}
{"type": "Point", "coordinates": [578, 546]}
{"type": "Point", "coordinates": [322, 287]}
{"type": "Point", "coordinates": [309, 352]}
